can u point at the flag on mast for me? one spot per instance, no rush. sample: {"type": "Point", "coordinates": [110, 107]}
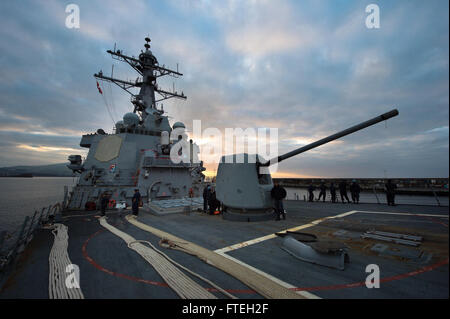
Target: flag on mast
{"type": "Point", "coordinates": [99, 89]}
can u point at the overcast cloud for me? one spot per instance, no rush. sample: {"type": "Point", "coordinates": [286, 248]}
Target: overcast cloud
{"type": "Point", "coordinates": [308, 68]}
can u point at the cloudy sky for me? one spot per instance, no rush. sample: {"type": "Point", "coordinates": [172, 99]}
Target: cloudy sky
{"type": "Point", "coordinates": [308, 68]}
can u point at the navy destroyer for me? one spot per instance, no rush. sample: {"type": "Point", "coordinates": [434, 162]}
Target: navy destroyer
{"type": "Point", "coordinates": [174, 250]}
{"type": "Point", "coordinates": [140, 153]}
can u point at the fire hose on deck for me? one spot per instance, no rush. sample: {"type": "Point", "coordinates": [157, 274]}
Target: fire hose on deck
{"type": "Point", "coordinates": [184, 286]}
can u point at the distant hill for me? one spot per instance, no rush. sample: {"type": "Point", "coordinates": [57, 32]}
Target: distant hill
{"type": "Point", "coordinates": [38, 170]}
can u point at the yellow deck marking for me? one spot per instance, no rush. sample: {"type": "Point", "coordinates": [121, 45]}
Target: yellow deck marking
{"type": "Point", "coordinates": [305, 294]}
{"type": "Point", "coordinates": [405, 214]}
{"type": "Point", "coordinates": [264, 238]}
{"type": "Point", "coordinates": [311, 224]}
{"type": "Point", "coordinates": [246, 274]}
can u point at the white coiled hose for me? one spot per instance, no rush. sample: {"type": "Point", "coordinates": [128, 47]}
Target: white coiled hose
{"type": "Point", "coordinates": [184, 286]}
{"type": "Point", "coordinates": [60, 286]}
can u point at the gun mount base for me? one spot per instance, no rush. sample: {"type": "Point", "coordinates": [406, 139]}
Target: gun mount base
{"type": "Point", "coordinates": [246, 215]}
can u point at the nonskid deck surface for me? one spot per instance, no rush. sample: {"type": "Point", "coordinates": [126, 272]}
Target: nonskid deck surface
{"type": "Point", "coordinates": [109, 269]}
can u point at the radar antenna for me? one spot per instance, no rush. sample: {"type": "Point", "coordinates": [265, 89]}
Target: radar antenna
{"type": "Point", "coordinates": [148, 68]}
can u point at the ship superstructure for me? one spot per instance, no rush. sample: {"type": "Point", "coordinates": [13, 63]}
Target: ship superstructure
{"type": "Point", "coordinates": [144, 151]}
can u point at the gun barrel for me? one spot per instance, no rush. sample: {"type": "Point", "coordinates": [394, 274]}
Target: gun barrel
{"type": "Point", "coordinates": [333, 137]}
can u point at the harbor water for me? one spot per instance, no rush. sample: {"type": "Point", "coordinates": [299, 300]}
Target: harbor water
{"type": "Point", "coordinates": [20, 197]}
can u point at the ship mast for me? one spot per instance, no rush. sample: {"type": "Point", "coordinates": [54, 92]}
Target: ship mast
{"type": "Point", "coordinates": [148, 68]}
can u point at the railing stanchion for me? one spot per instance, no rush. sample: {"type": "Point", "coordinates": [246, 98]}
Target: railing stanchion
{"type": "Point", "coordinates": [374, 191]}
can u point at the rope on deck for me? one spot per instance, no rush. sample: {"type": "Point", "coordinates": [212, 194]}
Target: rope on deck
{"type": "Point", "coordinates": [190, 271]}
{"type": "Point", "coordinates": [184, 286]}
{"type": "Point", "coordinates": [58, 286]}
{"type": "Point", "coordinates": [263, 285]}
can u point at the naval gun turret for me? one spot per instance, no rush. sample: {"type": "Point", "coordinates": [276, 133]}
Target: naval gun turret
{"type": "Point", "coordinates": [243, 182]}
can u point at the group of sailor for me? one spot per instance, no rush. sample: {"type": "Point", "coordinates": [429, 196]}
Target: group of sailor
{"type": "Point", "coordinates": [355, 190]}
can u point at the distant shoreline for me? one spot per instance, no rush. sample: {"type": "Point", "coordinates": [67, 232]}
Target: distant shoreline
{"type": "Point", "coordinates": [24, 175]}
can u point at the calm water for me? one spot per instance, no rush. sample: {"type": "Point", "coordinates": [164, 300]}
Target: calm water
{"type": "Point", "coordinates": [19, 197]}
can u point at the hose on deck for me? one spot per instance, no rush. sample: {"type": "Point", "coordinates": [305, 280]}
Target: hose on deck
{"type": "Point", "coordinates": [189, 271]}
{"type": "Point", "coordinates": [58, 286]}
{"type": "Point", "coordinates": [264, 286]}
{"type": "Point", "coordinates": [184, 286]}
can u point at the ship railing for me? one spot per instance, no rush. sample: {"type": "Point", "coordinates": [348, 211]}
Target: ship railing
{"type": "Point", "coordinates": [14, 243]}
{"type": "Point", "coordinates": [374, 196]}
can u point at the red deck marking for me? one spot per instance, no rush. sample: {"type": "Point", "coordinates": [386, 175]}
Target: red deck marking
{"type": "Point", "coordinates": [436, 221]}
{"type": "Point", "coordinates": [149, 282]}
{"type": "Point", "coordinates": [249, 291]}
{"type": "Point", "coordinates": [387, 279]}
{"type": "Point", "coordinates": [93, 263]}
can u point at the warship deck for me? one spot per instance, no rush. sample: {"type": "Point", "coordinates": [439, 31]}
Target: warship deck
{"type": "Point", "coordinates": [109, 269]}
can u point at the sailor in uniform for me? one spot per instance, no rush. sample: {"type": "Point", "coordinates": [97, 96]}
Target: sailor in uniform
{"type": "Point", "coordinates": [136, 201]}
